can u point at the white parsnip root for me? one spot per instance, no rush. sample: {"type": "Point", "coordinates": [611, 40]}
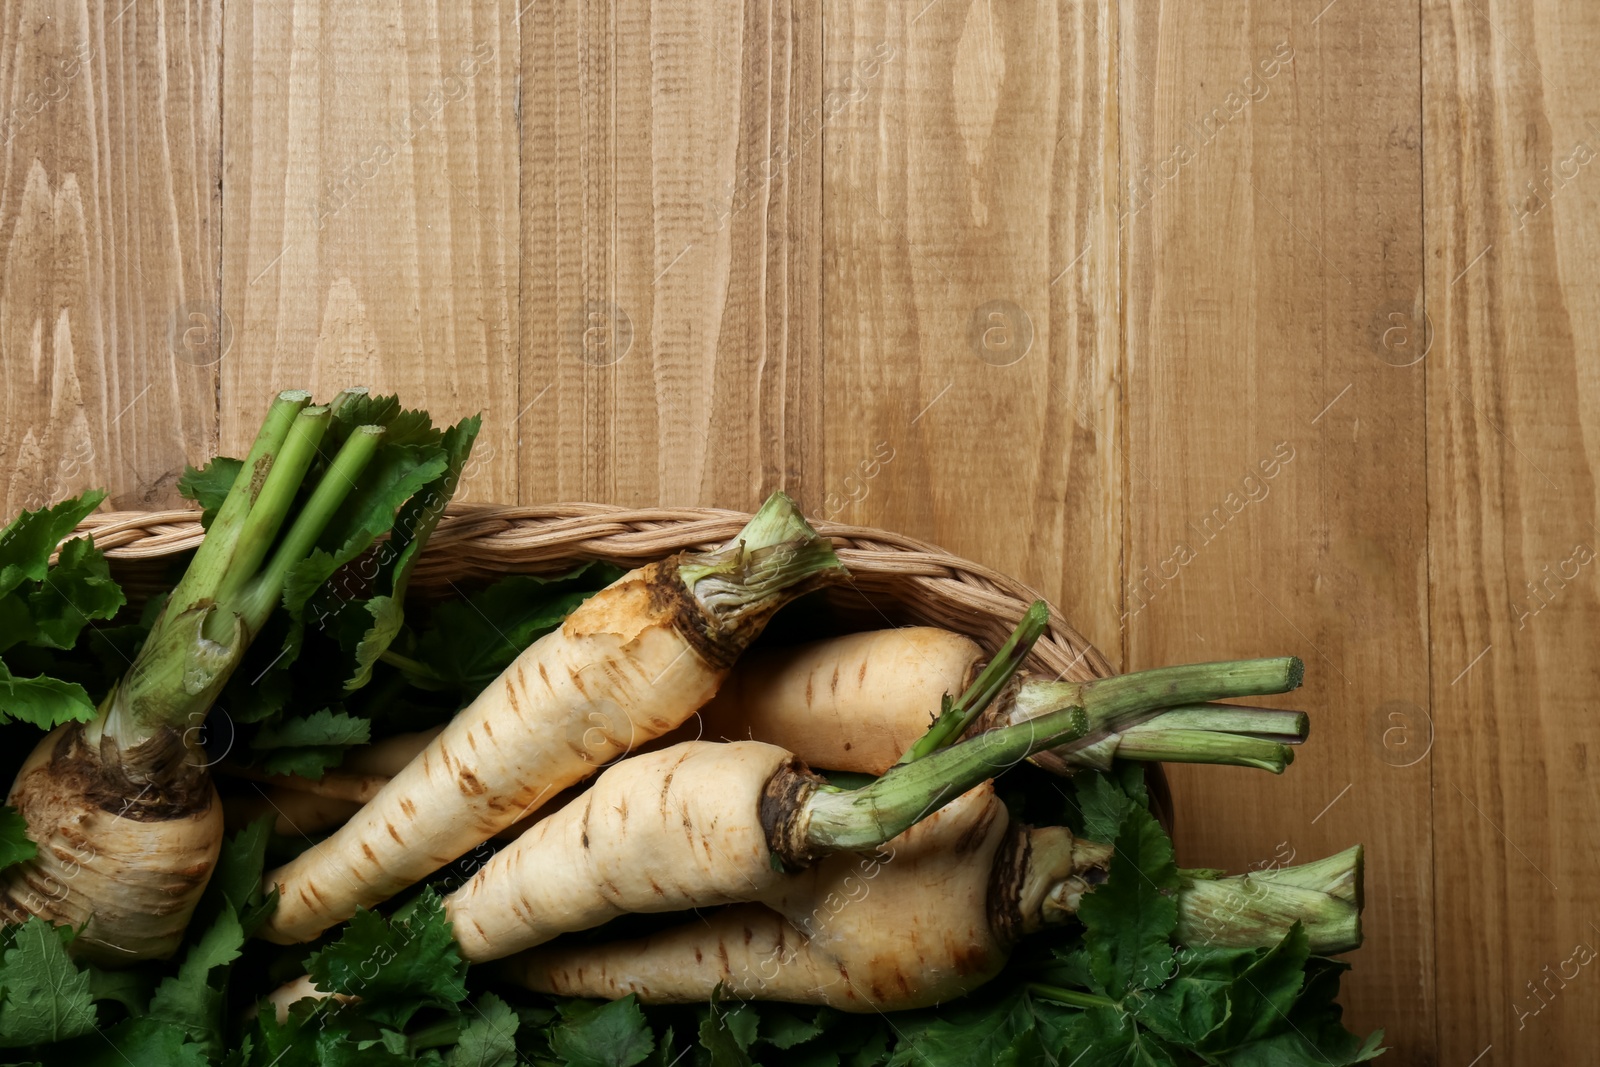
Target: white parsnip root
{"type": "Point", "coordinates": [631, 663]}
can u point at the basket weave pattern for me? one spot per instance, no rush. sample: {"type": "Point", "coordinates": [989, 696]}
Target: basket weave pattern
{"type": "Point", "coordinates": [895, 580]}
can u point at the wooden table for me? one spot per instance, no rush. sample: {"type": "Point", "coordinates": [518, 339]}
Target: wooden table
{"type": "Point", "coordinates": [1236, 328]}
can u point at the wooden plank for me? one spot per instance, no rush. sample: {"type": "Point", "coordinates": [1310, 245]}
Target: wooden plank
{"type": "Point", "coordinates": [1274, 242]}
{"type": "Point", "coordinates": [670, 221]}
{"type": "Point", "coordinates": [971, 331]}
{"type": "Point", "coordinates": [1513, 389]}
{"type": "Point", "coordinates": [109, 233]}
{"type": "Point", "coordinates": [371, 175]}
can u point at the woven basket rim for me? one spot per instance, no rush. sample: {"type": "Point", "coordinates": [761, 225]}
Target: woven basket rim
{"type": "Point", "coordinates": [481, 540]}
{"type": "Point", "coordinates": [473, 536]}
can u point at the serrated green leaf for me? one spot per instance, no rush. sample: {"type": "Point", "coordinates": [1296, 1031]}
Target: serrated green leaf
{"type": "Point", "coordinates": [143, 1041]}
{"type": "Point", "coordinates": [1129, 920]}
{"type": "Point", "coordinates": [26, 544]}
{"type": "Point", "coordinates": [387, 619]}
{"type": "Point", "coordinates": [613, 1035]}
{"type": "Point", "coordinates": [309, 744]}
{"type": "Point", "coordinates": [967, 1034]}
{"type": "Point", "coordinates": [397, 966]}
{"type": "Point", "coordinates": [208, 486]}
{"type": "Point", "coordinates": [718, 1038]}
{"type": "Point", "coordinates": [45, 997]}
{"type": "Point", "coordinates": [77, 590]}
{"type": "Point", "coordinates": [190, 1001]}
{"type": "Point", "coordinates": [45, 702]}
{"type": "Point", "coordinates": [1260, 999]}
{"type": "Point", "coordinates": [1102, 805]}
{"type": "Point", "coordinates": [489, 1039]}
{"type": "Point", "coordinates": [783, 1029]}
{"type": "Point", "coordinates": [322, 727]}
{"type": "Point", "coordinates": [468, 643]}
{"type": "Point", "coordinates": [15, 845]}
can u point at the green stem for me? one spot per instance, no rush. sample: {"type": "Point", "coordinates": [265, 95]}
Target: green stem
{"type": "Point", "coordinates": [1276, 724]}
{"type": "Point", "coordinates": [262, 594]}
{"type": "Point", "coordinates": [955, 719]}
{"type": "Point", "coordinates": [1255, 909]}
{"type": "Point", "coordinates": [1071, 997]}
{"type": "Point", "coordinates": [212, 559]}
{"type": "Point", "coordinates": [850, 820]}
{"type": "Point", "coordinates": [409, 665]}
{"type": "Point", "coordinates": [1154, 742]}
{"type": "Point", "coordinates": [775, 558]}
{"type": "Point", "coordinates": [1115, 703]}
{"type": "Point", "coordinates": [837, 819]}
{"type": "Point", "coordinates": [277, 498]}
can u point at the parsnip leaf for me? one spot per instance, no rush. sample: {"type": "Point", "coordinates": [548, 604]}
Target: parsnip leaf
{"type": "Point", "coordinates": [77, 590]}
{"type": "Point", "coordinates": [1130, 919]}
{"type": "Point", "coordinates": [613, 1035]}
{"type": "Point", "coordinates": [26, 544]}
{"type": "Point", "coordinates": [15, 846]}
{"type": "Point", "coordinates": [396, 966]}
{"type": "Point", "coordinates": [43, 996]}
{"type": "Point", "coordinates": [208, 486]}
{"type": "Point", "coordinates": [490, 1037]}
{"type": "Point", "coordinates": [46, 702]}
{"type": "Point", "coordinates": [468, 643]}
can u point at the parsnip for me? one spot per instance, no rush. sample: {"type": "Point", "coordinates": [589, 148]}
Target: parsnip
{"type": "Point", "coordinates": [634, 661]}
{"type": "Point", "coordinates": [929, 917]}
{"type": "Point", "coordinates": [122, 807]}
{"type": "Point", "coordinates": [858, 702]}
{"type": "Point", "coordinates": [703, 823]}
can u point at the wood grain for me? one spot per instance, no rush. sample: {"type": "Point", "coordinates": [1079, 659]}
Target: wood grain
{"type": "Point", "coordinates": [671, 251]}
{"type": "Point", "coordinates": [109, 238]}
{"type": "Point", "coordinates": [972, 344]}
{"type": "Point", "coordinates": [1233, 328]}
{"type": "Point", "coordinates": [1274, 225]}
{"type": "Point", "coordinates": [371, 238]}
{"type": "Point", "coordinates": [1514, 383]}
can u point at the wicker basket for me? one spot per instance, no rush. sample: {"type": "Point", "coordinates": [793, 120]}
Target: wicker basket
{"type": "Point", "coordinates": [895, 580]}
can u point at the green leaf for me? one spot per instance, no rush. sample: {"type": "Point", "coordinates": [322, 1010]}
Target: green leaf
{"type": "Point", "coordinates": [720, 1039]}
{"type": "Point", "coordinates": [1195, 1003]}
{"type": "Point", "coordinates": [413, 526]}
{"type": "Point", "coordinates": [309, 744]}
{"type": "Point", "coordinates": [208, 486]}
{"type": "Point", "coordinates": [783, 1029]}
{"type": "Point", "coordinates": [143, 1041]}
{"type": "Point", "coordinates": [131, 989]}
{"type": "Point", "coordinates": [236, 879]}
{"type": "Point", "coordinates": [968, 1034]}
{"type": "Point", "coordinates": [46, 997]}
{"type": "Point", "coordinates": [490, 1037]}
{"type": "Point", "coordinates": [1129, 920]}
{"type": "Point", "coordinates": [1260, 999]}
{"type": "Point", "coordinates": [15, 844]}
{"type": "Point", "coordinates": [396, 966]}
{"type": "Point", "coordinates": [189, 1001]}
{"type": "Point", "coordinates": [1102, 806]}
{"type": "Point", "coordinates": [613, 1035]}
{"type": "Point", "coordinates": [26, 544]}
{"type": "Point", "coordinates": [470, 642]}
{"type": "Point", "coordinates": [324, 727]}
{"type": "Point", "coordinates": [387, 619]}
{"type": "Point", "coordinates": [76, 590]}
{"type": "Point", "coordinates": [45, 702]}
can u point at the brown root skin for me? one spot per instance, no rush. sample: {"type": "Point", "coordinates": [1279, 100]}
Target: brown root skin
{"type": "Point", "coordinates": [126, 863]}
{"type": "Point", "coordinates": [904, 927]}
